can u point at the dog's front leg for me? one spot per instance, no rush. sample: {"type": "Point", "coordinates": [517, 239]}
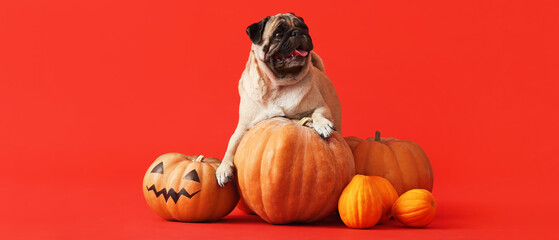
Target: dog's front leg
{"type": "Point", "coordinates": [322, 122]}
{"type": "Point", "coordinates": [224, 172]}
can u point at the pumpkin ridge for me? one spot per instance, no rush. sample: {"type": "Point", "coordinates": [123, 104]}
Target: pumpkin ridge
{"type": "Point", "coordinates": [311, 148]}
{"type": "Point", "coordinates": [307, 136]}
{"type": "Point", "coordinates": [335, 175]}
{"type": "Point", "coordinates": [415, 210]}
{"type": "Point", "coordinates": [372, 149]}
{"type": "Point", "coordinates": [397, 160]}
{"type": "Point", "coordinates": [412, 206]}
{"type": "Point", "coordinates": [362, 155]}
{"type": "Point", "coordinates": [315, 167]}
{"type": "Point", "coordinates": [347, 175]}
{"type": "Point", "coordinates": [370, 198]}
{"type": "Point", "coordinates": [301, 149]}
{"type": "Point", "coordinates": [360, 207]}
{"type": "Point", "coordinates": [411, 147]}
{"type": "Point", "coordinates": [332, 162]}
{"type": "Point", "coordinates": [284, 135]}
{"type": "Point", "coordinates": [332, 142]}
{"type": "Point", "coordinates": [418, 216]}
{"type": "Point", "coordinates": [202, 173]}
{"type": "Point", "coordinates": [419, 154]}
{"type": "Point", "coordinates": [271, 130]}
{"type": "Point", "coordinates": [239, 164]}
{"type": "Point", "coordinates": [349, 209]}
{"type": "Point", "coordinates": [413, 162]}
{"type": "Point", "coordinates": [259, 147]}
{"type": "Point", "coordinates": [388, 196]}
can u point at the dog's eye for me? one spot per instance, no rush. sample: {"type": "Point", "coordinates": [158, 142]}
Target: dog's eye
{"type": "Point", "coordinates": [278, 35]}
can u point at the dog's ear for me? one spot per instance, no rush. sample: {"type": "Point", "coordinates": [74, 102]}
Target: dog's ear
{"type": "Point", "coordinates": [255, 30]}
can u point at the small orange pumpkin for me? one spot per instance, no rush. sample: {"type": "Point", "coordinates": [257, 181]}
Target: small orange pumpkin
{"type": "Point", "coordinates": [360, 205]}
{"type": "Point", "coordinates": [184, 188]}
{"type": "Point", "coordinates": [415, 208]}
{"type": "Point", "coordinates": [402, 162]}
{"type": "Point", "coordinates": [388, 195]}
{"type": "Point", "coordinates": [287, 173]}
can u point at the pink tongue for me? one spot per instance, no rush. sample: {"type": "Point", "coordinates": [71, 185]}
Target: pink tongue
{"type": "Point", "coordinates": [300, 53]}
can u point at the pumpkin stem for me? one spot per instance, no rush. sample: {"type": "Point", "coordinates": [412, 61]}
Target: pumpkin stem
{"type": "Point", "coordinates": [199, 159]}
{"type": "Point", "coordinates": [304, 121]}
{"type": "Point", "coordinates": [377, 136]}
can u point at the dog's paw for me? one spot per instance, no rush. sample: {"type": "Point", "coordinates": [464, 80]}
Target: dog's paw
{"type": "Point", "coordinates": [224, 173]}
{"type": "Point", "coordinates": [323, 127]}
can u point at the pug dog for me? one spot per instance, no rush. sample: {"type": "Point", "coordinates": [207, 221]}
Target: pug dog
{"type": "Point", "coordinates": [283, 77]}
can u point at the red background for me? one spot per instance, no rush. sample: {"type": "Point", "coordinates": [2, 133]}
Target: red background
{"type": "Point", "coordinates": [91, 92]}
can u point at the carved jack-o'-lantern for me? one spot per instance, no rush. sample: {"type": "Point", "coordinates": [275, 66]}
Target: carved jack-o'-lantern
{"type": "Point", "coordinates": [184, 188]}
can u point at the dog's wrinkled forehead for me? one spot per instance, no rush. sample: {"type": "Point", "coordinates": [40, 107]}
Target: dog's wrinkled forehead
{"type": "Point", "coordinates": [282, 22]}
{"type": "Point", "coordinates": [267, 26]}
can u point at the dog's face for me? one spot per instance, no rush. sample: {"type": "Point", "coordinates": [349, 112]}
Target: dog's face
{"type": "Point", "coordinates": [282, 42]}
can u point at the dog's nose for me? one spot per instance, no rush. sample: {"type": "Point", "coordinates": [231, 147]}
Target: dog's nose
{"type": "Point", "coordinates": [295, 33]}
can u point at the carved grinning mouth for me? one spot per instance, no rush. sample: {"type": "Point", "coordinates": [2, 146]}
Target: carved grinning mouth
{"type": "Point", "coordinates": [172, 194]}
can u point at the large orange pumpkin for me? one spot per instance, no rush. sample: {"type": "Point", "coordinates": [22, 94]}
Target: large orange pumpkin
{"type": "Point", "coordinates": [287, 173]}
{"type": "Point", "coordinates": [360, 205]}
{"type": "Point", "coordinates": [415, 208]}
{"type": "Point", "coordinates": [244, 208]}
{"type": "Point", "coordinates": [184, 188]}
{"type": "Point", "coordinates": [402, 162]}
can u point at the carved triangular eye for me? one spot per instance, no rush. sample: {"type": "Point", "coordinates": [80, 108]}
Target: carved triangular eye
{"type": "Point", "coordinates": [192, 175]}
{"type": "Point", "coordinates": [158, 168]}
